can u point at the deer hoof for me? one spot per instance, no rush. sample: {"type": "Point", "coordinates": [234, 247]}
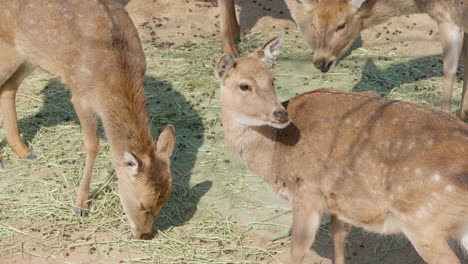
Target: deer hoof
{"type": "Point", "coordinates": [31, 155]}
{"type": "Point", "coordinates": [82, 212]}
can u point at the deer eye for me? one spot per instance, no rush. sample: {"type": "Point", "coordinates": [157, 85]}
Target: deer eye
{"type": "Point", "coordinates": [341, 27]}
{"type": "Point", "coordinates": [244, 87]}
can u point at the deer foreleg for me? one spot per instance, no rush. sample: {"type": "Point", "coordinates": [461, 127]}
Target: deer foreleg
{"type": "Point", "coordinates": [230, 29]}
{"type": "Point", "coordinates": [88, 123]}
{"type": "Point", "coordinates": [306, 221]}
{"type": "Point", "coordinates": [340, 230]}
{"type": "Point", "coordinates": [451, 36]}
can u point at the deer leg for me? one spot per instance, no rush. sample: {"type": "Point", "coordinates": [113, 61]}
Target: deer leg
{"type": "Point", "coordinates": [463, 112]}
{"type": "Point", "coordinates": [451, 36]}
{"type": "Point", "coordinates": [431, 245]}
{"type": "Point", "coordinates": [230, 29]}
{"type": "Point", "coordinates": [340, 230]}
{"type": "Point", "coordinates": [306, 222]}
{"type": "Point", "coordinates": [8, 109]}
{"type": "Point", "coordinates": [88, 123]}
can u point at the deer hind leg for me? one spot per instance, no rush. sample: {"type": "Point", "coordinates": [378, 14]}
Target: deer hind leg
{"type": "Point", "coordinates": [230, 29]}
{"type": "Point", "coordinates": [431, 245]}
{"type": "Point", "coordinates": [340, 230]}
{"type": "Point", "coordinates": [451, 36]}
{"type": "Point", "coordinates": [306, 221]}
{"type": "Point", "coordinates": [463, 112]}
{"type": "Point", "coordinates": [8, 109]}
{"type": "Point", "coordinates": [88, 121]}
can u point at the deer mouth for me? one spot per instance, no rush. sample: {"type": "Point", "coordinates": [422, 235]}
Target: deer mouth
{"type": "Point", "coordinates": [279, 124]}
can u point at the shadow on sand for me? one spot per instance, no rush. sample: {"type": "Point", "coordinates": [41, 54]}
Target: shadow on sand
{"type": "Point", "coordinates": [384, 80]}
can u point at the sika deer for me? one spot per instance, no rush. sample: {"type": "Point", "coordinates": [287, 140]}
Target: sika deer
{"type": "Point", "coordinates": [338, 24]}
{"type": "Point", "coordinates": [380, 164]}
{"type": "Point", "coordinates": [231, 31]}
{"type": "Point", "coordinates": [93, 47]}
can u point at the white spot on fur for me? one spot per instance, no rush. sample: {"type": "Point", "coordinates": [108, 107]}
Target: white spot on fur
{"type": "Point", "coordinates": [357, 124]}
{"type": "Point", "coordinates": [347, 121]}
{"type": "Point", "coordinates": [365, 135]}
{"type": "Point", "coordinates": [435, 177]}
{"type": "Point", "coordinates": [430, 143]}
{"type": "Point", "coordinates": [422, 212]}
{"type": "Point", "coordinates": [348, 171]}
{"type": "Point", "coordinates": [85, 70]}
{"type": "Point", "coordinates": [449, 188]}
{"type": "Point", "coordinates": [400, 188]}
{"type": "Point", "coordinates": [418, 171]}
{"type": "Point", "coordinates": [394, 121]}
{"type": "Point", "coordinates": [405, 169]}
{"type": "Point", "coordinates": [412, 145]}
{"type": "Point", "coordinates": [400, 143]}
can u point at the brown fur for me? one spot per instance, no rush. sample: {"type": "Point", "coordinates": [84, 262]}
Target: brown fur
{"type": "Point", "coordinates": [93, 47]}
{"type": "Point", "coordinates": [384, 165]}
{"type": "Point", "coordinates": [450, 15]}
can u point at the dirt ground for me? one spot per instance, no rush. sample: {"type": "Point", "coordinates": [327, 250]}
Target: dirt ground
{"type": "Point", "coordinates": [223, 195]}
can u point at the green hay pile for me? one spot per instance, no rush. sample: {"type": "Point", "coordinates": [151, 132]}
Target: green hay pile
{"type": "Point", "coordinates": [217, 208]}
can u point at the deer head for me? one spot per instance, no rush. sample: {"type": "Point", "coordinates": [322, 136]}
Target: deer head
{"type": "Point", "coordinates": [247, 88]}
{"type": "Point", "coordinates": [145, 183]}
{"type": "Point", "coordinates": [337, 24]}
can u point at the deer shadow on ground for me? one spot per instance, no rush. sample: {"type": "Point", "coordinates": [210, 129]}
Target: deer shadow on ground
{"type": "Point", "coordinates": [384, 80]}
{"type": "Point", "coordinates": [165, 106]}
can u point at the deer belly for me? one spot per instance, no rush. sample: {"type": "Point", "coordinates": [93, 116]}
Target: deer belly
{"type": "Point", "coordinates": [385, 225]}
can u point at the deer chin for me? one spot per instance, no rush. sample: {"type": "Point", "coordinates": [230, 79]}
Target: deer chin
{"type": "Point", "coordinates": [278, 124]}
{"type": "Point", "coordinates": [250, 122]}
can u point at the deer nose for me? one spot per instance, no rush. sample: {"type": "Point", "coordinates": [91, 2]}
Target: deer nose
{"type": "Point", "coordinates": [323, 65]}
{"type": "Point", "coordinates": [147, 236]}
{"type": "Point", "coordinates": [281, 116]}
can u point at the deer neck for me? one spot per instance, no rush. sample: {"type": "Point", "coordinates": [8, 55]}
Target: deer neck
{"type": "Point", "coordinates": [255, 150]}
{"type": "Point", "coordinates": [386, 9]}
{"type": "Point", "coordinates": [125, 120]}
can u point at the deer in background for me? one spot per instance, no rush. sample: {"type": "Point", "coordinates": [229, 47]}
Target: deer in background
{"type": "Point", "coordinates": [231, 31]}
{"type": "Point", "coordinates": [338, 24]}
{"type": "Point", "coordinates": [92, 47]}
{"type": "Point", "coordinates": [384, 165]}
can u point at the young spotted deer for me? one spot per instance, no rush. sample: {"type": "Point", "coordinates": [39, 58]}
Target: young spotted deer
{"type": "Point", "coordinates": [93, 47]}
{"type": "Point", "coordinates": [338, 24]}
{"type": "Point", "coordinates": [384, 165]}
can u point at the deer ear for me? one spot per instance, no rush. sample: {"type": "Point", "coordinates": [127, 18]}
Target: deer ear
{"type": "Point", "coordinates": [131, 163]}
{"type": "Point", "coordinates": [269, 50]}
{"type": "Point", "coordinates": [357, 3]}
{"type": "Point", "coordinates": [224, 67]}
{"type": "Point", "coordinates": [166, 142]}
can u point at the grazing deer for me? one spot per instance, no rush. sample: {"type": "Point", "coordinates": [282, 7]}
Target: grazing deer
{"type": "Point", "coordinates": [384, 165]}
{"type": "Point", "coordinates": [93, 47]}
{"type": "Point", "coordinates": [231, 31]}
{"type": "Point", "coordinates": [338, 24]}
